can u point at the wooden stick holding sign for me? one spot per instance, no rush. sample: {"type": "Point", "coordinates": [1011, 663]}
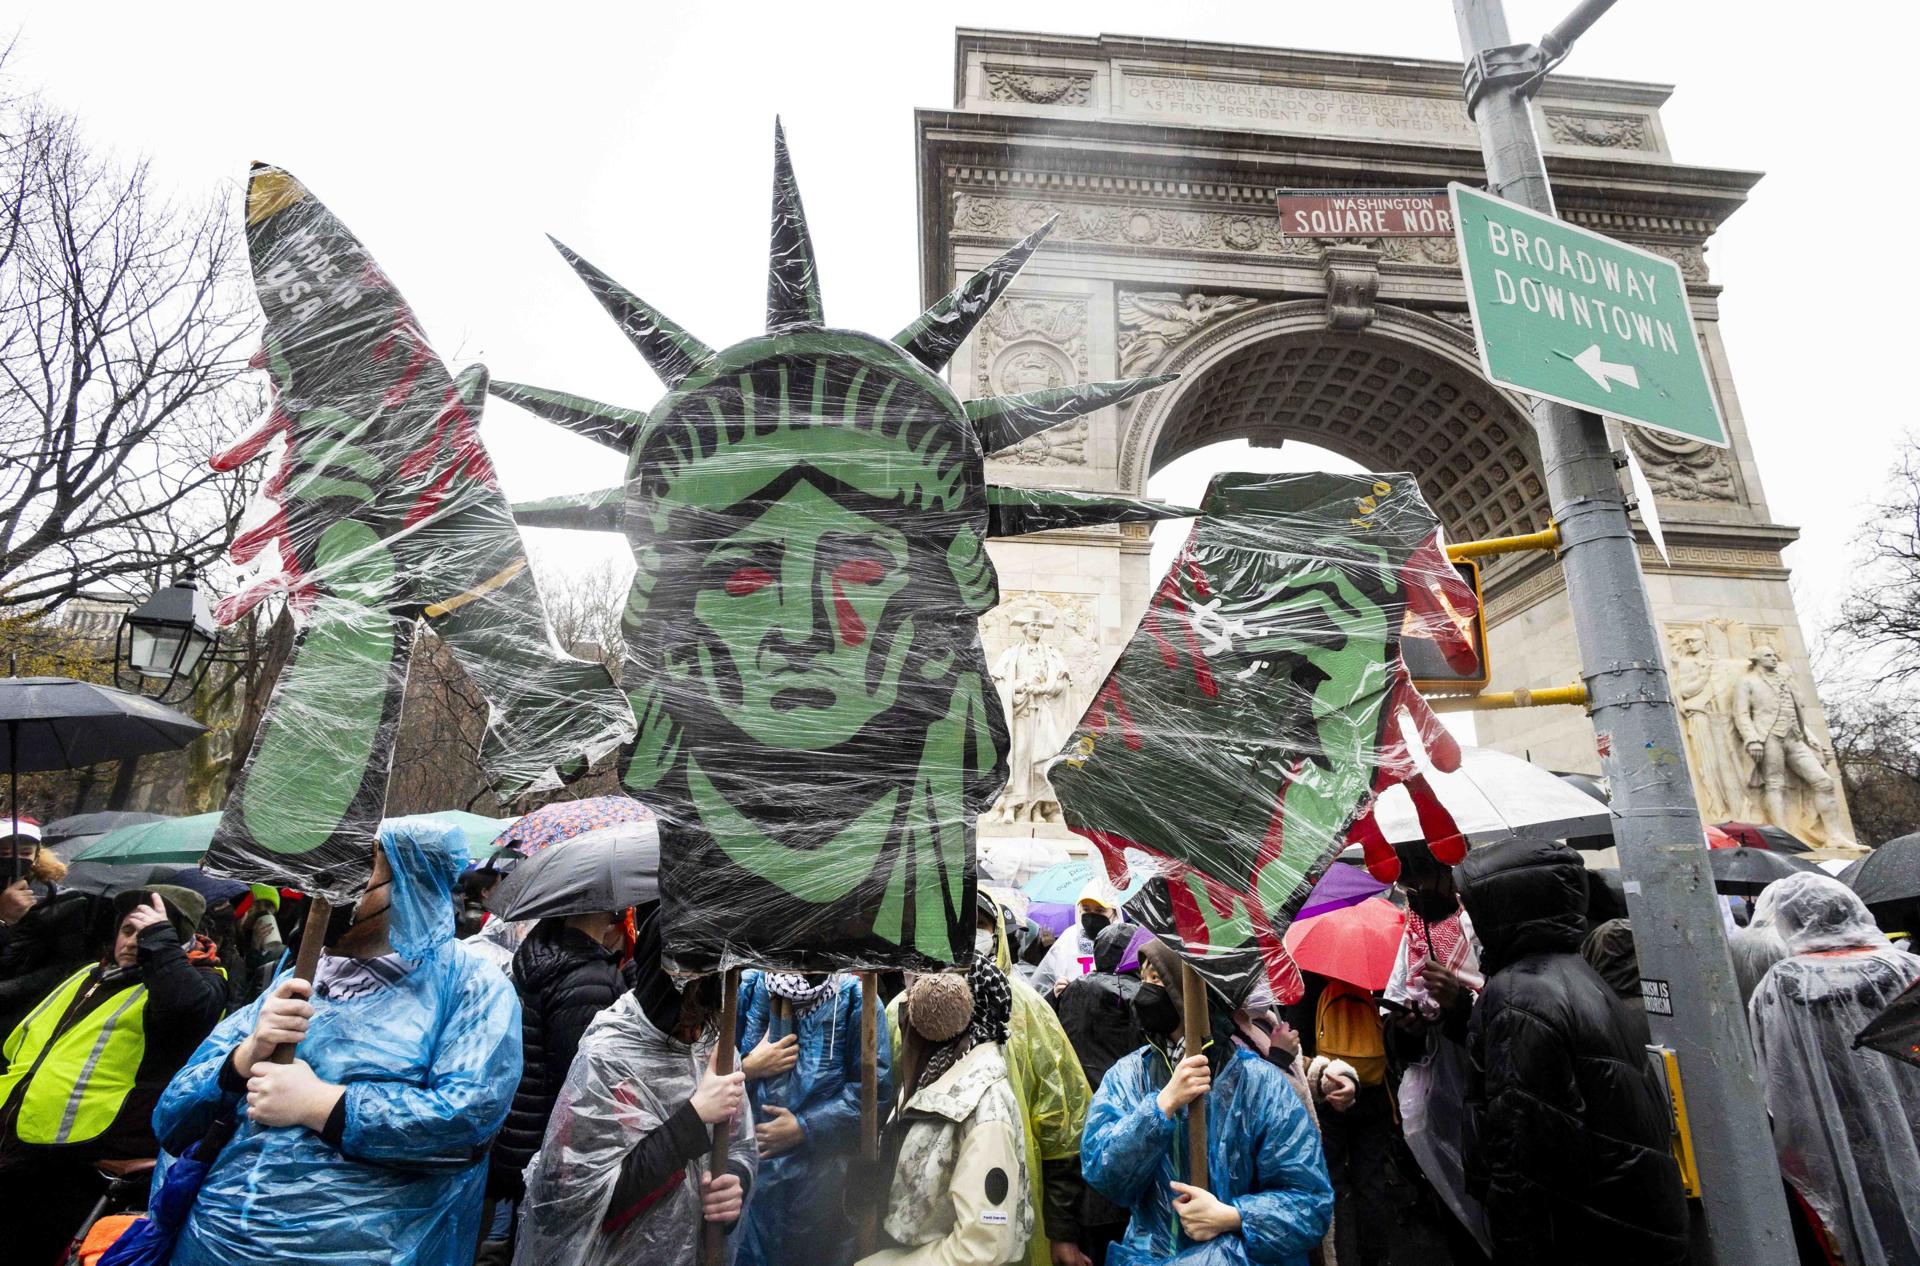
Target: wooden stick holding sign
{"type": "Point", "coordinates": [869, 1228]}
{"type": "Point", "coordinates": [1193, 998]}
{"type": "Point", "coordinates": [714, 1241]}
{"type": "Point", "coordinates": [306, 961]}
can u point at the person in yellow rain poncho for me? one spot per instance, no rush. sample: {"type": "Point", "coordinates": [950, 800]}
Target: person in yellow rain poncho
{"type": "Point", "coordinates": [1053, 1095]}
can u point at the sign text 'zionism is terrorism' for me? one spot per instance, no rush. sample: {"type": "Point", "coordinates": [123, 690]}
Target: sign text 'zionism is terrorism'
{"type": "Point", "coordinates": [1577, 317]}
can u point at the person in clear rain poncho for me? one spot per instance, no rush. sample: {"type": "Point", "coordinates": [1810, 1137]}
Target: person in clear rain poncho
{"type": "Point", "coordinates": [622, 1177]}
{"type": "Point", "coordinates": [372, 1144]}
{"type": "Point", "coordinates": [1846, 1122]}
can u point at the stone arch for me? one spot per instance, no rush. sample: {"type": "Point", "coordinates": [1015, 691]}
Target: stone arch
{"type": "Point", "coordinates": [1405, 392]}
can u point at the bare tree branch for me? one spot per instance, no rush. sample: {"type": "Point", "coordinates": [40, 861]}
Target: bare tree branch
{"type": "Point", "coordinates": [124, 325]}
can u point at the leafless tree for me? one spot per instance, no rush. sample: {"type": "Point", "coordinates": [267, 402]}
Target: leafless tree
{"type": "Point", "coordinates": [1876, 744]}
{"type": "Point", "coordinates": [1880, 617]}
{"type": "Point", "coordinates": [125, 320]}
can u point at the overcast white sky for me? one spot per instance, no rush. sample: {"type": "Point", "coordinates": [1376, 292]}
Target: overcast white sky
{"type": "Point", "coordinates": [452, 137]}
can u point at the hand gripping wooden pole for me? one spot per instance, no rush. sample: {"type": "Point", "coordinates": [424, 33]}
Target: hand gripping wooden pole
{"type": "Point", "coordinates": [306, 961]}
{"type": "Point", "coordinates": [1193, 997]}
{"type": "Point", "coordinates": [714, 1238]}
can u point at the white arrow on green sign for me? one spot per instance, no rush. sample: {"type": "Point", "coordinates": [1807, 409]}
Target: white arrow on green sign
{"type": "Point", "coordinates": [1574, 316]}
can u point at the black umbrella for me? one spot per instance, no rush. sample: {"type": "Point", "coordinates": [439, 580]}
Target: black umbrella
{"type": "Point", "coordinates": [1764, 835]}
{"type": "Point", "coordinates": [62, 830]}
{"type": "Point", "coordinates": [608, 869]}
{"type": "Point", "coordinates": [105, 879]}
{"type": "Point", "coordinates": [60, 723]}
{"type": "Point", "coordinates": [1889, 873]}
{"type": "Point", "coordinates": [1745, 871]}
{"type": "Point", "coordinates": [1897, 1029]}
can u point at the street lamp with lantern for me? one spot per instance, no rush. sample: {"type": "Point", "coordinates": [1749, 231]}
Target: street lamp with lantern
{"type": "Point", "coordinates": [166, 644]}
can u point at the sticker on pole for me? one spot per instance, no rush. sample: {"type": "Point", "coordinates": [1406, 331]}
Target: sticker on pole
{"type": "Point", "coordinates": [1574, 316]}
{"type": "Point", "coordinates": [1658, 996]}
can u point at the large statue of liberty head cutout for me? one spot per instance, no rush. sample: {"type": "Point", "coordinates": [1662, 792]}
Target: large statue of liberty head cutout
{"type": "Point", "coordinates": [808, 512]}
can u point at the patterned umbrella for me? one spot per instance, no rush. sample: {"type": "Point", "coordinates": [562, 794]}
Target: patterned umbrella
{"type": "Point", "coordinates": [565, 819]}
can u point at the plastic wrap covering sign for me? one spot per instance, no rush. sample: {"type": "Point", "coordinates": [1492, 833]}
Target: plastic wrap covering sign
{"type": "Point", "coordinates": [383, 513]}
{"type": "Point", "coordinates": [1257, 711]}
{"type": "Point", "coordinates": [808, 514]}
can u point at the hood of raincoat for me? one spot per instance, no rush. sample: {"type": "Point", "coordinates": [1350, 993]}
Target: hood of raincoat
{"type": "Point", "coordinates": [427, 859]}
{"type": "Point", "coordinates": [1814, 912]}
{"type": "Point", "coordinates": [1845, 1121]}
{"type": "Point", "coordinates": [1608, 949]}
{"type": "Point", "coordinates": [1220, 1027]}
{"type": "Point", "coordinates": [1111, 946]}
{"type": "Point", "coordinates": [1524, 897]}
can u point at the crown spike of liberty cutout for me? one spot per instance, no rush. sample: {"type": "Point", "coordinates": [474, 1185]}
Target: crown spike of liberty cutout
{"type": "Point", "coordinates": [794, 306]}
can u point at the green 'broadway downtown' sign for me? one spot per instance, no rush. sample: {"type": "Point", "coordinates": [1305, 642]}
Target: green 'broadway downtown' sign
{"type": "Point", "coordinates": [1577, 317]}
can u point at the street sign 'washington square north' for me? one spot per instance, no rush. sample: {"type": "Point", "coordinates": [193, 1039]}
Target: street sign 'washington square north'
{"type": "Point", "coordinates": [1364, 213]}
{"type": "Point", "coordinates": [1574, 316]}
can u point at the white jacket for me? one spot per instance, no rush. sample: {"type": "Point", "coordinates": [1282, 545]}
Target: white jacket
{"type": "Point", "coordinates": [959, 1194]}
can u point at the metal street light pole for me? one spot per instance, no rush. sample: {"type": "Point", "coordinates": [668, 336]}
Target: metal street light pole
{"type": "Point", "coordinates": [1677, 926]}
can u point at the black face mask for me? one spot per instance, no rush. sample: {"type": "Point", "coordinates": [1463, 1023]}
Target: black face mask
{"type": "Point", "coordinates": [1093, 923]}
{"type": "Point", "coordinates": [1154, 1010]}
{"type": "Point", "coordinates": [340, 918]}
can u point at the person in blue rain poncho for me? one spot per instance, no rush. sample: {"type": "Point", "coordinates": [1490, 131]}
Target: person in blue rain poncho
{"type": "Point", "coordinates": [371, 1145]}
{"type": "Point", "coordinates": [1268, 1200]}
{"type": "Point", "coordinates": [799, 1042]}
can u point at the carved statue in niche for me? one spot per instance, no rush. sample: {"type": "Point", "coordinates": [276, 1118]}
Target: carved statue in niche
{"type": "Point", "coordinates": [1771, 719]}
{"type": "Point", "coordinates": [1153, 322]}
{"type": "Point", "coordinates": [1680, 469]}
{"type": "Point", "coordinates": [1699, 684]}
{"type": "Point", "coordinates": [1033, 681]}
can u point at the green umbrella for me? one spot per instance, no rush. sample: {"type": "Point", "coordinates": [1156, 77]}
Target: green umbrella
{"type": "Point", "coordinates": [182, 841]}
{"type": "Point", "coordinates": [476, 832]}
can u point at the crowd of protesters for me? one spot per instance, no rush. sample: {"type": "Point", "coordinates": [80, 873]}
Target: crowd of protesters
{"type": "Point", "coordinates": [461, 1090]}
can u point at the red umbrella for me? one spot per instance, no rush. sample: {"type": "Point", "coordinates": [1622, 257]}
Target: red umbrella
{"type": "Point", "coordinates": [1717, 838]}
{"type": "Point", "coordinates": [1359, 944]}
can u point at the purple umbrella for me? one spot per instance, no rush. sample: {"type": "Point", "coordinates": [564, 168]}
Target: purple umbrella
{"type": "Point", "coordinates": [565, 819]}
{"type": "Point", "coordinates": [1054, 916]}
{"type": "Point", "coordinates": [1340, 887]}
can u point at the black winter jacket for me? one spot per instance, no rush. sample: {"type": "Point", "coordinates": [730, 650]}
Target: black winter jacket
{"type": "Point", "coordinates": [1567, 1135]}
{"type": "Point", "coordinates": [564, 978]}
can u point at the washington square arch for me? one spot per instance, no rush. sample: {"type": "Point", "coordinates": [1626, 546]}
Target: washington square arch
{"type": "Point", "coordinates": [1160, 162]}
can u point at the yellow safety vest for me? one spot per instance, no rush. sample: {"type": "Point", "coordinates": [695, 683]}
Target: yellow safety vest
{"type": "Point", "coordinates": [76, 1078]}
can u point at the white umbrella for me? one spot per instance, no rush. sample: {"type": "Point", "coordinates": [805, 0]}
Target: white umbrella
{"type": "Point", "coordinates": [1494, 796]}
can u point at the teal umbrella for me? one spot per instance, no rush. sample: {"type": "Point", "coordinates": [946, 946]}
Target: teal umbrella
{"type": "Point", "coordinates": [1062, 884]}
{"type": "Point", "coordinates": [476, 832]}
{"type": "Point", "coordinates": [181, 841]}
{"type": "Point", "coordinates": [184, 841]}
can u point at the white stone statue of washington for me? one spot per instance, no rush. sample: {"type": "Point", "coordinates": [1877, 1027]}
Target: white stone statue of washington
{"type": "Point", "coordinates": [1032, 678]}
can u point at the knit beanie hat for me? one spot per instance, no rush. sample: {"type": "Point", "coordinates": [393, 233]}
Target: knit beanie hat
{"type": "Point", "coordinates": [939, 1006]}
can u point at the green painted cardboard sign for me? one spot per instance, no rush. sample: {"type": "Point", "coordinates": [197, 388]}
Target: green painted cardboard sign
{"type": "Point", "coordinates": [1571, 315]}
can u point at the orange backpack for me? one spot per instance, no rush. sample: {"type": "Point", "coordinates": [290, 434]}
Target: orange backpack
{"type": "Point", "coordinates": [1347, 1026]}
